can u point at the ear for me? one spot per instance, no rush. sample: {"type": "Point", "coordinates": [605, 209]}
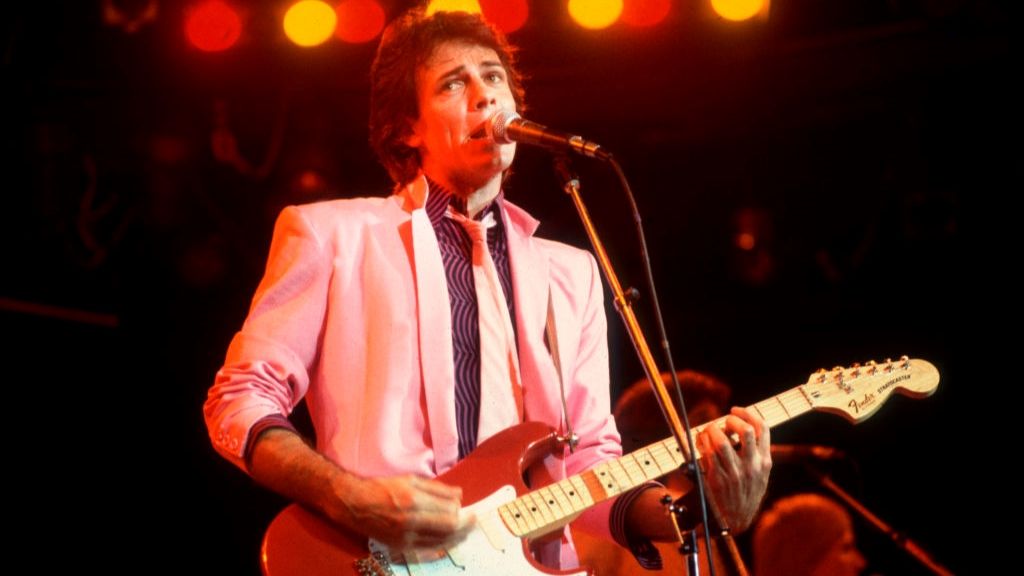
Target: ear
{"type": "Point", "coordinates": [412, 137]}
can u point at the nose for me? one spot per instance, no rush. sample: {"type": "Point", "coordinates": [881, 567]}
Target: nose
{"type": "Point", "coordinates": [482, 95]}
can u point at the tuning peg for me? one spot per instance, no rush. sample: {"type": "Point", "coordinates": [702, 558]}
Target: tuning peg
{"type": "Point", "coordinates": [837, 373]}
{"type": "Point", "coordinates": [872, 366]}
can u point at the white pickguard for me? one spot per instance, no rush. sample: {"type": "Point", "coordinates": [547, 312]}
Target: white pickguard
{"type": "Point", "coordinates": [490, 549]}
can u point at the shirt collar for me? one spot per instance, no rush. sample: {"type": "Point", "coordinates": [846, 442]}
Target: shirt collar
{"type": "Point", "coordinates": [439, 198]}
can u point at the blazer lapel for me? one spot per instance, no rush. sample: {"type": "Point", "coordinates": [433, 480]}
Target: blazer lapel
{"type": "Point", "coordinates": [529, 266]}
{"type": "Point", "coordinates": [435, 330]}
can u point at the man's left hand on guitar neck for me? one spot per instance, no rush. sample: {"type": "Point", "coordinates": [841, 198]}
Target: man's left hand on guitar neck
{"type": "Point", "coordinates": [735, 479]}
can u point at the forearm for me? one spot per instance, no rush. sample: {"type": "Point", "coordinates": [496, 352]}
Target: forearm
{"type": "Point", "coordinates": [401, 511]}
{"type": "Point", "coordinates": [282, 461]}
{"type": "Point", "coordinates": [648, 518]}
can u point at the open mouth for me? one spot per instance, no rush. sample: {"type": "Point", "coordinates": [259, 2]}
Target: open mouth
{"type": "Point", "coordinates": [480, 133]}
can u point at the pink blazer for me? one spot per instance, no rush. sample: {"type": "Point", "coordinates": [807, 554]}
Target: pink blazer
{"type": "Point", "coordinates": [352, 314]}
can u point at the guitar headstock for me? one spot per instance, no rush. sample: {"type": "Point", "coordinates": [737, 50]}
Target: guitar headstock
{"type": "Point", "coordinates": [858, 391]}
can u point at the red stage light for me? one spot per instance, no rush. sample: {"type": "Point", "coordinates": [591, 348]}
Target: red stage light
{"type": "Point", "coordinates": [359, 20]}
{"type": "Point", "coordinates": [507, 15]}
{"type": "Point", "coordinates": [212, 26]}
{"type": "Point", "coordinates": [644, 12]}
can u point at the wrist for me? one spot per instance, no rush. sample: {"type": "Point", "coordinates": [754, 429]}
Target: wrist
{"type": "Point", "coordinates": [337, 502]}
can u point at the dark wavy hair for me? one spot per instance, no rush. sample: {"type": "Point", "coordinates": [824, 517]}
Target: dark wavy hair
{"type": "Point", "coordinates": [406, 45]}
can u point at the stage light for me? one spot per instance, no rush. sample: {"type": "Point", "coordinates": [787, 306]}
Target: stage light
{"type": "Point", "coordinates": [754, 260]}
{"type": "Point", "coordinates": [738, 10]}
{"type": "Point", "coordinates": [212, 26]}
{"type": "Point", "coordinates": [507, 15]}
{"type": "Point", "coordinates": [643, 13]}
{"type": "Point", "coordinates": [309, 22]}
{"type": "Point", "coordinates": [359, 20]}
{"type": "Point", "coordinates": [595, 14]}
{"type": "Point", "coordinates": [471, 6]}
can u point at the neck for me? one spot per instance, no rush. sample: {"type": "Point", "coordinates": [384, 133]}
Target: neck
{"type": "Point", "coordinates": [479, 199]}
{"type": "Point", "coordinates": [476, 197]}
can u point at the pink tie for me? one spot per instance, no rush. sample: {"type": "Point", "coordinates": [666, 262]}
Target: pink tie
{"type": "Point", "coordinates": [501, 395]}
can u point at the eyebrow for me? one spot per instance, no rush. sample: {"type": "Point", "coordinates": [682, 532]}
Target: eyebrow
{"type": "Point", "coordinates": [488, 64]}
{"type": "Point", "coordinates": [453, 72]}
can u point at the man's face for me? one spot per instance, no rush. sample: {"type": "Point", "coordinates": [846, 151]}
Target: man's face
{"type": "Point", "coordinates": [459, 88]}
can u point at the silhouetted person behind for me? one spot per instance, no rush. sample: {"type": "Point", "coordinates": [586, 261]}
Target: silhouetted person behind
{"type": "Point", "coordinates": [806, 534]}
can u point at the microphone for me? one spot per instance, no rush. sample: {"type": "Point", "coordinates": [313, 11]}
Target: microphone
{"type": "Point", "coordinates": [506, 127]}
{"type": "Point", "coordinates": [786, 453]}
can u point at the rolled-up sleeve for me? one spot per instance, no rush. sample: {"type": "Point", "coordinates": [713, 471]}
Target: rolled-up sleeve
{"type": "Point", "coordinates": [266, 370]}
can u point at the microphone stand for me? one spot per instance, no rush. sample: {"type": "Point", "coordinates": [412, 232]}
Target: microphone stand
{"type": "Point", "coordinates": [623, 305]}
{"type": "Point", "coordinates": [900, 539]}
{"type": "Point", "coordinates": [687, 538]}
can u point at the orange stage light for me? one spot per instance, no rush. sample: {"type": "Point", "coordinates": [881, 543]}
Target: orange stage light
{"type": "Point", "coordinates": [595, 14]}
{"type": "Point", "coordinates": [310, 22]}
{"type": "Point", "coordinates": [738, 10]}
{"type": "Point", "coordinates": [471, 6]}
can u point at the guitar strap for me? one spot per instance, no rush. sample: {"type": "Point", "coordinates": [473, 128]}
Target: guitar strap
{"type": "Point", "coordinates": [570, 437]}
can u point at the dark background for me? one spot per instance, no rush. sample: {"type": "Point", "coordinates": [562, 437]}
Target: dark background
{"type": "Point", "coordinates": [860, 140]}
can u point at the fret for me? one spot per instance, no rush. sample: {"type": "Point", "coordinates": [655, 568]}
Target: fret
{"type": "Point", "coordinates": [513, 520]}
{"type": "Point", "coordinates": [760, 414]}
{"type": "Point", "coordinates": [528, 518]}
{"type": "Point", "coordinates": [582, 488]}
{"type": "Point", "coordinates": [605, 479]}
{"type": "Point", "coordinates": [783, 406]}
{"type": "Point", "coordinates": [556, 502]}
{"type": "Point", "coordinates": [538, 507]}
{"type": "Point", "coordinates": [569, 495]}
{"type": "Point", "coordinates": [672, 452]}
{"type": "Point", "coordinates": [629, 472]}
{"type": "Point", "coordinates": [652, 467]}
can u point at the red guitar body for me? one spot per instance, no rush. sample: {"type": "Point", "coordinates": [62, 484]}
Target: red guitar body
{"type": "Point", "coordinates": [299, 542]}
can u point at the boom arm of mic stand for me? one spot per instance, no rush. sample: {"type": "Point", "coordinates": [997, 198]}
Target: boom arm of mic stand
{"type": "Point", "coordinates": [908, 545]}
{"type": "Point", "coordinates": [623, 306]}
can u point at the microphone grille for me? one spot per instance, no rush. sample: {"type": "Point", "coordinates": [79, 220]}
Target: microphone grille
{"type": "Point", "coordinates": [499, 125]}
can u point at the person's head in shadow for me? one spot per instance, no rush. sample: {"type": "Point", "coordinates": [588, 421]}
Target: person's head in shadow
{"type": "Point", "coordinates": [806, 534]}
{"type": "Point", "coordinates": [638, 415]}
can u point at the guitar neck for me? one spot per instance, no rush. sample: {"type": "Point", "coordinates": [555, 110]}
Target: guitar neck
{"type": "Point", "coordinates": [541, 511]}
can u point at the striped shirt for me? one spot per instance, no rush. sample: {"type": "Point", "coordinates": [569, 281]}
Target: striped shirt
{"type": "Point", "coordinates": [456, 252]}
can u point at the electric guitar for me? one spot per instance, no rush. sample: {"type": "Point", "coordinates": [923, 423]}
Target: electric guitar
{"type": "Point", "coordinates": [509, 514]}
